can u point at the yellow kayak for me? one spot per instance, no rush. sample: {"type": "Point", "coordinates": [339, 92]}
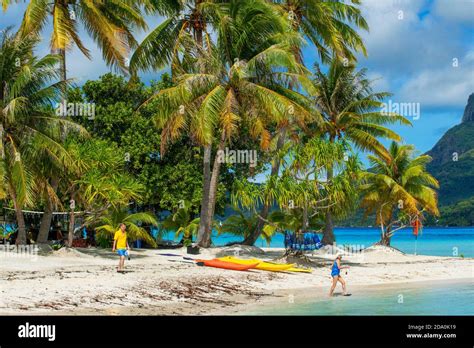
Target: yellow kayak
{"type": "Point", "coordinates": [302, 270]}
{"type": "Point", "coordinates": [266, 266]}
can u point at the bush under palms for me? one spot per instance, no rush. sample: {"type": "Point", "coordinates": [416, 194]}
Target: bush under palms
{"type": "Point", "coordinates": [110, 223]}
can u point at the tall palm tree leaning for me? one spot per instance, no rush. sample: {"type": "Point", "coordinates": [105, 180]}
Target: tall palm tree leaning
{"type": "Point", "coordinates": [29, 130]}
{"type": "Point", "coordinates": [329, 26]}
{"type": "Point", "coordinates": [219, 84]}
{"type": "Point", "coordinates": [352, 112]}
{"type": "Point", "coordinates": [398, 189]}
{"type": "Point", "coordinates": [195, 18]}
{"type": "Point", "coordinates": [161, 45]}
{"type": "Point", "coordinates": [188, 18]}
{"type": "Point", "coordinates": [109, 22]}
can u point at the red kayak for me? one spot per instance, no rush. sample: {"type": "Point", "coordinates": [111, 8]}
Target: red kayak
{"type": "Point", "coordinates": [226, 265]}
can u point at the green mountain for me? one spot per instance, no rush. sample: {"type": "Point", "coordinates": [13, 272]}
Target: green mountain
{"type": "Point", "coordinates": [453, 166]}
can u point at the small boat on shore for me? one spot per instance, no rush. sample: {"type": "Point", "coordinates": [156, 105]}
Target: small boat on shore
{"type": "Point", "coordinates": [262, 265]}
{"type": "Point", "coordinates": [267, 266]}
{"type": "Point", "coordinates": [226, 265]}
{"type": "Point", "coordinates": [300, 270]}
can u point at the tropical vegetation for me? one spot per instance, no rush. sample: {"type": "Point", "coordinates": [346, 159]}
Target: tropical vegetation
{"type": "Point", "coordinates": [398, 189]}
{"type": "Point", "coordinates": [231, 81]}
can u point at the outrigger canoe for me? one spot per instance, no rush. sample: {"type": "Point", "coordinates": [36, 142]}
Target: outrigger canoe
{"type": "Point", "coordinates": [263, 265]}
{"type": "Point", "coordinates": [227, 265]}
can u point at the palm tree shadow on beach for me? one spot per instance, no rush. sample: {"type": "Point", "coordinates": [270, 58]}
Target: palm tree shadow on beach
{"type": "Point", "coordinates": [108, 254]}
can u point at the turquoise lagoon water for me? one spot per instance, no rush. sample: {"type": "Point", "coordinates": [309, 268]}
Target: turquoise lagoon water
{"type": "Point", "coordinates": [433, 240]}
{"type": "Point", "coordinates": [439, 299]}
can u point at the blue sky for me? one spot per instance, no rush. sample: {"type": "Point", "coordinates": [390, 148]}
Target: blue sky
{"type": "Point", "coordinates": [412, 45]}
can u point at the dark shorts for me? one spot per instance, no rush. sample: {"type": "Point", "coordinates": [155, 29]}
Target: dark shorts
{"type": "Point", "coordinates": [335, 274]}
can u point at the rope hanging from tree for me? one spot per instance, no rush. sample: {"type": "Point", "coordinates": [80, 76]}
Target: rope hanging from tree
{"type": "Point", "coordinates": [42, 212]}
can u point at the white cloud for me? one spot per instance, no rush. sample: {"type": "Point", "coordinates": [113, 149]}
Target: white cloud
{"type": "Point", "coordinates": [415, 55]}
{"type": "Point", "coordinates": [447, 86]}
{"type": "Point", "coordinates": [404, 46]}
{"type": "Point", "coordinates": [455, 10]}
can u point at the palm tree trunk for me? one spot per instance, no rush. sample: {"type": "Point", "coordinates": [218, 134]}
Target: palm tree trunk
{"type": "Point", "coordinates": [20, 219]}
{"type": "Point", "coordinates": [213, 193]}
{"type": "Point", "coordinates": [385, 235]}
{"type": "Point", "coordinates": [72, 221]}
{"type": "Point", "coordinates": [206, 184]}
{"type": "Point", "coordinates": [385, 238]}
{"type": "Point", "coordinates": [252, 237]}
{"type": "Point", "coordinates": [45, 224]}
{"type": "Point", "coordinates": [305, 217]}
{"type": "Point", "coordinates": [328, 233]}
{"type": "Point", "coordinates": [62, 69]}
{"type": "Point", "coordinates": [203, 239]}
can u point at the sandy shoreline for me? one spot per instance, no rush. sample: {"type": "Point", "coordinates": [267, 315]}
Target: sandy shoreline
{"type": "Point", "coordinates": [84, 281]}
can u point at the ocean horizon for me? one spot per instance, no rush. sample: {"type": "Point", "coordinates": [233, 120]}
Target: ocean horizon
{"type": "Point", "coordinates": [434, 241]}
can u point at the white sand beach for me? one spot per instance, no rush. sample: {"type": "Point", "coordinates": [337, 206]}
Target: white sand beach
{"type": "Point", "coordinates": [85, 281]}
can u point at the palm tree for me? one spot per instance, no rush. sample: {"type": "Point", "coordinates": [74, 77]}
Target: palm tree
{"type": "Point", "coordinates": [6, 3]}
{"type": "Point", "coordinates": [398, 181]}
{"type": "Point", "coordinates": [29, 130]}
{"type": "Point", "coordinates": [218, 85]}
{"type": "Point", "coordinates": [301, 191]}
{"type": "Point", "coordinates": [97, 181]}
{"type": "Point", "coordinates": [161, 46]}
{"type": "Point", "coordinates": [196, 18]}
{"type": "Point", "coordinates": [328, 24]}
{"type": "Point", "coordinates": [109, 22]}
{"type": "Point", "coordinates": [182, 222]}
{"type": "Point", "coordinates": [242, 225]}
{"type": "Point", "coordinates": [219, 100]}
{"type": "Point", "coordinates": [352, 112]}
{"type": "Point", "coordinates": [292, 220]}
{"type": "Point", "coordinates": [100, 184]}
{"type": "Point", "coordinates": [110, 223]}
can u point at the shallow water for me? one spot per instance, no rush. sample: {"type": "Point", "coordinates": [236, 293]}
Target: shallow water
{"type": "Point", "coordinates": [447, 299]}
{"type": "Point", "coordinates": [435, 241]}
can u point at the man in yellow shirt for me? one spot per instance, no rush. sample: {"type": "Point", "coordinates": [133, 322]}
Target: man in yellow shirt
{"type": "Point", "coordinates": [121, 245]}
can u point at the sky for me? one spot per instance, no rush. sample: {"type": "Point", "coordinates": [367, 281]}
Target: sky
{"type": "Point", "coordinates": [422, 51]}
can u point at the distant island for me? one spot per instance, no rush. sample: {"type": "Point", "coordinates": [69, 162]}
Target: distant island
{"type": "Point", "coordinates": [453, 167]}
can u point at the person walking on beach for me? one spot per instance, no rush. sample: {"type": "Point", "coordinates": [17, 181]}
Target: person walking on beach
{"type": "Point", "coordinates": [336, 276]}
{"type": "Point", "coordinates": [121, 245]}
